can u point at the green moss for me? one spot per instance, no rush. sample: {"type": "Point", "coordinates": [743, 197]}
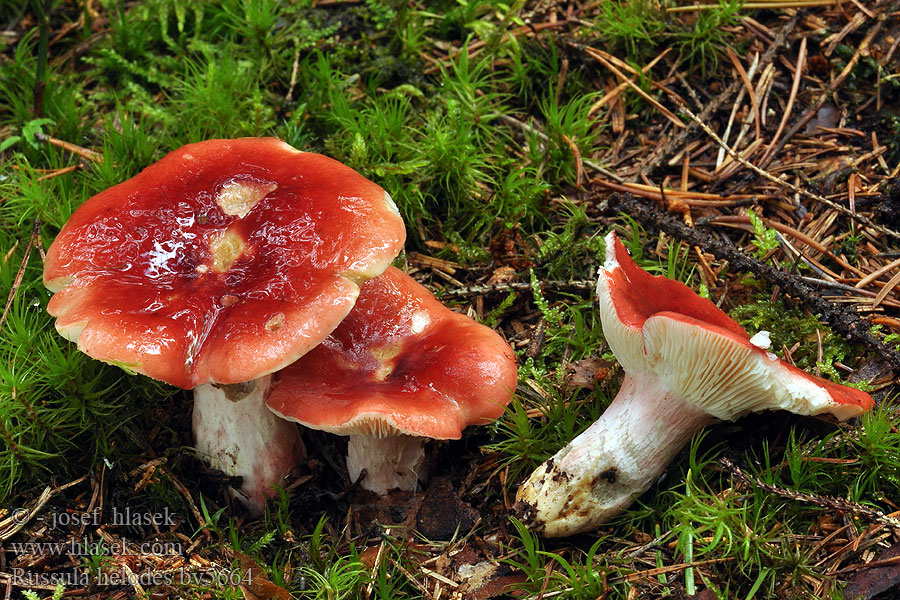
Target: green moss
{"type": "Point", "coordinates": [788, 327]}
{"type": "Point", "coordinates": [474, 147]}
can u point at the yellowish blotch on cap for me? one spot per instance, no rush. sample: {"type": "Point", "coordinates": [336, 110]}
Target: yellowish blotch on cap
{"type": "Point", "coordinates": [275, 323]}
{"type": "Point", "coordinates": [385, 355]}
{"type": "Point", "coordinates": [225, 247]}
{"type": "Point", "coordinates": [237, 198]}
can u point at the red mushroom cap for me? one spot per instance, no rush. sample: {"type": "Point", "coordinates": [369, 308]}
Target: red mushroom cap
{"type": "Point", "coordinates": [224, 261]}
{"type": "Point", "coordinates": [654, 324]}
{"type": "Point", "coordinates": [638, 295]}
{"type": "Point", "coordinates": [401, 362]}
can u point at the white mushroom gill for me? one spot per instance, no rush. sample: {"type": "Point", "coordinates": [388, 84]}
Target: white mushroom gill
{"type": "Point", "coordinates": [624, 341]}
{"type": "Point", "coordinates": [724, 378]}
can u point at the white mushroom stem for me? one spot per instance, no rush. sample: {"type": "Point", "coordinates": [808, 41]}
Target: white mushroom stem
{"type": "Point", "coordinates": [238, 435]}
{"type": "Point", "coordinates": [597, 474]}
{"type": "Point", "coordinates": [393, 461]}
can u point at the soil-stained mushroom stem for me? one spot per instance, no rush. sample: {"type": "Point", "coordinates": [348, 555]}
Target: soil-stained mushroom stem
{"type": "Point", "coordinates": [224, 262]}
{"type": "Point", "coordinates": [238, 435]}
{"type": "Point", "coordinates": [599, 473]}
{"type": "Point", "coordinates": [687, 363]}
{"type": "Point", "coordinates": [399, 370]}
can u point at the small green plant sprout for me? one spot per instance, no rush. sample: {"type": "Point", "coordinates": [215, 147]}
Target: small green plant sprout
{"type": "Point", "coordinates": [97, 559]}
{"type": "Point", "coordinates": [637, 26]}
{"type": "Point", "coordinates": [493, 318]}
{"type": "Point", "coordinates": [686, 364]}
{"type": "Point", "coordinates": [552, 315]}
{"type": "Point", "coordinates": [341, 579]}
{"type": "Point", "coordinates": [708, 524]}
{"type": "Point", "coordinates": [211, 521]}
{"type": "Point", "coordinates": [764, 238]}
{"type": "Point", "coordinates": [58, 592]}
{"type": "Point", "coordinates": [582, 575]}
{"type": "Point", "coordinates": [703, 41]}
{"type": "Point", "coordinates": [889, 338]}
{"type": "Point", "coordinates": [525, 441]}
{"type": "Point", "coordinates": [29, 130]}
{"type": "Point", "coordinates": [331, 576]}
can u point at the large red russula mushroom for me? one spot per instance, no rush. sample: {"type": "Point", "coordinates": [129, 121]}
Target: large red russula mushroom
{"type": "Point", "coordinates": [400, 369]}
{"type": "Point", "coordinates": [686, 364]}
{"type": "Point", "coordinates": [218, 265]}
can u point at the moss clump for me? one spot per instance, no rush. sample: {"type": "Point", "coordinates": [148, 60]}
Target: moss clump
{"type": "Point", "coordinates": [789, 327]}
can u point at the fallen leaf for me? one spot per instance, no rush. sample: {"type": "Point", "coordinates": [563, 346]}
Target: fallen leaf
{"type": "Point", "coordinates": [868, 583]}
{"type": "Point", "coordinates": [501, 275]}
{"type": "Point", "coordinates": [255, 583]}
{"type": "Point", "coordinates": [587, 372]}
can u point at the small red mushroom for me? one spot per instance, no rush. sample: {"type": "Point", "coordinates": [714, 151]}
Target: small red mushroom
{"type": "Point", "coordinates": [686, 364]}
{"type": "Point", "coordinates": [214, 267]}
{"type": "Point", "coordinates": [400, 369]}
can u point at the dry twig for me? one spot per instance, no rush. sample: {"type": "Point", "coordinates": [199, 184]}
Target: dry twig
{"type": "Point", "coordinates": [831, 502]}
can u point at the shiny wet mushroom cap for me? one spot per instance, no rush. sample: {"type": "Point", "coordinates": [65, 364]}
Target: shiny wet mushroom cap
{"type": "Point", "coordinates": [400, 369]}
{"type": "Point", "coordinates": [219, 264]}
{"type": "Point", "coordinates": [224, 261]}
{"type": "Point", "coordinates": [686, 364]}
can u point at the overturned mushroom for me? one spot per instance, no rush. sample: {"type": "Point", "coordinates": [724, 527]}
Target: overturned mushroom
{"type": "Point", "coordinates": [216, 266]}
{"type": "Point", "coordinates": [400, 369]}
{"type": "Point", "coordinates": [686, 364]}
